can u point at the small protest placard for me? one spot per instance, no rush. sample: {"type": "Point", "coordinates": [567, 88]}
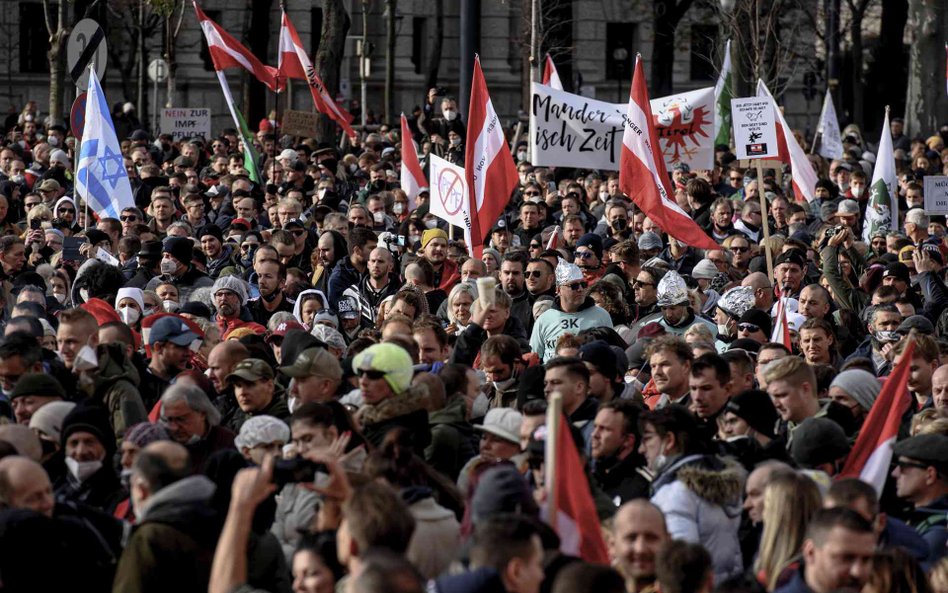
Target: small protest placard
{"type": "Point", "coordinates": [936, 194]}
{"type": "Point", "coordinates": [755, 131]}
{"type": "Point", "coordinates": [186, 122]}
{"type": "Point", "coordinates": [300, 123]}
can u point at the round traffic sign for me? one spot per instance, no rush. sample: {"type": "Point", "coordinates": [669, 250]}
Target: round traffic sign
{"type": "Point", "coordinates": [86, 45]}
{"type": "Point", "coordinates": [158, 70]}
{"type": "Point", "coordinates": [77, 116]}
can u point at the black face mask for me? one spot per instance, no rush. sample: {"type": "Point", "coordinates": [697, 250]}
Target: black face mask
{"type": "Point", "coordinates": [378, 186]}
{"type": "Point", "coordinates": [620, 224]}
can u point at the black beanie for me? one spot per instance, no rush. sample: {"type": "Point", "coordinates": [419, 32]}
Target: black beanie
{"type": "Point", "coordinates": [92, 419]}
{"type": "Point", "coordinates": [180, 248]}
{"type": "Point", "coordinates": [755, 407]}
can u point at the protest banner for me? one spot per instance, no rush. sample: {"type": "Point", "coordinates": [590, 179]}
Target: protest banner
{"type": "Point", "coordinates": [186, 122]}
{"type": "Point", "coordinates": [936, 194]}
{"type": "Point", "coordinates": [450, 200]}
{"type": "Point", "coordinates": [300, 123]}
{"type": "Point", "coordinates": [755, 131]}
{"type": "Point", "coordinates": [568, 130]}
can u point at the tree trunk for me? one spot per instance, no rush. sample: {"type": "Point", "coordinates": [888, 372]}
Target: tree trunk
{"type": "Point", "coordinates": [925, 107]}
{"type": "Point", "coordinates": [259, 38]}
{"type": "Point", "coordinates": [329, 59]}
{"type": "Point", "coordinates": [434, 60]}
{"type": "Point", "coordinates": [57, 66]}
{"type": "Point", "coordinates": [142, 65]}
{"type": "Point", "coordinates": [888, 75]}
{"type": "Point", "coordinates": [390, 6]}
{"type": "Point", "coordinates": [668, 14]}
{"type": "Point", "coordinates": [855, 34]}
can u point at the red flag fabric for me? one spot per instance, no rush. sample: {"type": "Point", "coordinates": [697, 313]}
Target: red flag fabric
{"type": "Point", "coordinates": [554, 241]}
{"type": "Point", "coordinates": [577, 518]}
{"type": "Point", "coordinates": [412, 177]}
{"type": "Point", "coordinates": [803, 176]}
{"type": "Point", "coordinates": [872, 452]}
{"type": "Point", "coordinates": [642, 173]}
{"type": "Point", "coordinates": [295, 63]}
{"type": "Point", "coordinates": [781, 333]}
{"type": "Point", "coordinates": [551, 77]}
{"type": "Point", "coordinates": [488, 165]}
{"type": "Point", "coordinates": [227, 52]}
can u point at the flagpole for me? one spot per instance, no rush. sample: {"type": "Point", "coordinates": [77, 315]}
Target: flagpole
{"type": "Point", "coordinates": [764, 218]}
{"type": "Point", "coordinates": [554, 413]}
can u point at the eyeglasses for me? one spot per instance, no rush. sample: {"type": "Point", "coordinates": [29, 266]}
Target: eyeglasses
{"type": "Point", "coordinates": [128, 218]}
{"type": "Point", "coordinates": [748, 327]}
{"type": "Point", "coordinates": [576, 286]}
{"type": "Point", "coordinates": [370, 374]}
{"type": "Point", "coordinates": [585, 254]}
{"type": "Point", "coordinates": [903, 464]}
{"type": "Point", "coordinates": [640, 284]}
{"type": "Point", "coordinates": [532, 274]}
{"type": "Point", "coordinates": [739, 249]}
{"type": "Point", "coordinates": [248, 246]}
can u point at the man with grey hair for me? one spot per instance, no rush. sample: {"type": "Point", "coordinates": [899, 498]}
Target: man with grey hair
{"type": "Point", "coordinates": [916, 226]}
{"type": "Point", "coordinates": [192, 420]}
{"type": "Point", "coordinates": [230, 296]}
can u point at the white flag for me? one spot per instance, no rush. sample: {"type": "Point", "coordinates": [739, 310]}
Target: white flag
{"type": "Point", "coordinates": [831, 141]}
{"type": "Point", "coordinates": [883, 207]}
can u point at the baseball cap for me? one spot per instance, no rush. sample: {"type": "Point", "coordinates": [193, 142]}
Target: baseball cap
{"type": "Point", "coordinates": [250, 369]}
{"type": "Point", "coordinates": [314, 362]}
{"type": "Point", "coordinates": [171, 329]}
{"type": "Point", "coordinates": [348, 308]}
{"type": "Point", "coordinates": [280, 331]}
{"type": "Point", "coordinates": [390, 359]}
{"type": "Point", "coordinates": [503, 423]}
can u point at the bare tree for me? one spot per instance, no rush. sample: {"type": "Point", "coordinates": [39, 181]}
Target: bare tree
{"type": "Point", "coordinates": [391, 6]}
{"type": "Point", "coordinates": [857, 10]}
{"type": "Point", "coordinates": [58, 33]}
{"type": "Point", "coordinates": [329, 58]}
{"type": "Point", "coordinates": [434, 60]}
{"type": "Point", "coordinates": [172, 27]}
{"type": "Point", "coordinates": [924, 103]}
{"type": "Point", "coordinates": [132, 24]}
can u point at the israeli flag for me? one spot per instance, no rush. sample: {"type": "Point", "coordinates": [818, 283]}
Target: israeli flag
{"type": "Point", "coordinates": [101, 179]}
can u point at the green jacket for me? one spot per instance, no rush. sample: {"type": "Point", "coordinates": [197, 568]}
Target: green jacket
{"type": "Point", "coordinates": [452, 438]}
{"type": "Point", "coordinates": [845, 295]}
{"type": "Point", "coordinates": [115, 384]}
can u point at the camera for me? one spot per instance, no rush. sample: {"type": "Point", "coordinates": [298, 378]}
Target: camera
{"type": "Point", "coordinates": [296, 470]}
{"type": "Point", "coordinates": [441, 91]}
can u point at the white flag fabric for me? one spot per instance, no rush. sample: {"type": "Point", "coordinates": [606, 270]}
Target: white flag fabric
{"type": "Point", "coordinates": [101, 179]}
{"type": "Point", "coordinates": [449, 195]}
{"type": "Point", "coordinates": [803, 176]}
{"type": "Point", "coordinates": [883, 207]}
{"type": "Point", "coordinates": [831, 141]}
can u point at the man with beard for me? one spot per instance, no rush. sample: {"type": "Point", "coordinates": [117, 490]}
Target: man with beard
{"type": "Point", "coordinates": [512, 270]}
{"type": "Point", "coordinates": [375, 286]}
{"type": "Point", "coordinates": [639, 533]}
{"type": "Point", "coordinates": [218, 254]}
{"type": "Point", "coordinates": [789, 270]}
{"type": "Point", "coordinates": [170, 340]}
{"type": "Point", "coordinates": [434, 248]}
{"type": "Point", "coordinates": [884, 320]}
{"type": "Point", "coordinates": [271, 279]}
{"type": "Point", "coordinates": [330, 248]}
{"type": "Point", "coordinates": [676, 315]}
{"type": "Point", "coordinates": [230, 295]}
{"type": "Point", "coordinates": [619, 468]}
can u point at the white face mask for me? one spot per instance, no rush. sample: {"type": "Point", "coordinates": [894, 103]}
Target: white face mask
{"type": "Point", "coordinates": [82, 470]}
{"type": "Point", "coordinates": [169, 306]}
{"type": "Point", "coordinates": [148, 312]}
{"type": "Point", "coordinates": [450, 114]}
{"type": "Point", "coordinates": [723, 329]}
{"type": "Point", "coordinates": [455, 142]}
{"type": "Point", "coordinates": [378, 217]}
{"type": "Point", "coordinates": [858, 191]}
{"type": "Point", "coordinates": [398, 208]}
{"type": "Point", "coordinates": [431, 223]}
{"type": "Point", "coordinates": [844, 186]}
{"type": "Point", "coordinates": [129, 315]}
{"type": "Point", "coordinates": [59, 296]}
{"type": "Point", "coordinates": [521, 155]}
{"type": "Point", "coordinates": [53, 141]}
{"type": "Point", "coordinates": [86, 359]}
{"type": "Point", "coordinates": [168, 267]}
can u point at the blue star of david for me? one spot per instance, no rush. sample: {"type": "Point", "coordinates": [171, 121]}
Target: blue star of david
{"type": "Point", "coordinates": [113, 177]}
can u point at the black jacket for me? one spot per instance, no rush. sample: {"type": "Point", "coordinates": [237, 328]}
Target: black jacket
{"type": "Point", "coordinates": [622, 479]}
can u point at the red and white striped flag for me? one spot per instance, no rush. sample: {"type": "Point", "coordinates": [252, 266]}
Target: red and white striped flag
{"type": "Point", "coordinates": [577, 522]}
{"type": "Point", "coordinates": [551, 77]}
{"type": "Point", "coordinates": [871, 454]}
{"type": "Point", "coordinates": [791, 153]}
{"type": "Point", "coordinates": [227, 52]}
{"type": "Point", "coordinates": [488, 165]}
{"type": "Point", "coordinates": [295, 63]}
{"type": "Point", "coordinates": [781, 333]}
{"type": "Point", "coordinates": [642, 173]}
{"type": "Point", "coordinates": [412, 177]}
{"type": "Point", "coordinates": [554, 240]}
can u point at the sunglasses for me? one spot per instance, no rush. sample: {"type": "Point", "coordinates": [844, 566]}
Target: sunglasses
{"type": "Point", "coordinates": [585, 254]}
{"type": "Point", "coordinates": [65, 210]}
{"type": "Point", "coordinates": [534, 246]}
{"type": "Point", "coordinates": [740, 249]}
{"type": "Point", "coordinates": [128, 218]}
{"type": "Point", "coordinates": [640, 284]}
{"type": "Point", "coordinates": [533, 274]}
{"type": "Point", "coordinates": [298, 233]}
{"type": "Point", "coordinates": [531, 194]}
{"type": "Point", "coordinates": [748, 327]}
{"type": "Point", "coordinates": [371, 374]}
{"type": "Point", "coordinates": [904, 463]}
{"type": "Point", "coordinates": [576, 286]}
{"type": "Point", "coordinates": [737, 179]}
{"type": "Point", "coordinates": [249, 246]}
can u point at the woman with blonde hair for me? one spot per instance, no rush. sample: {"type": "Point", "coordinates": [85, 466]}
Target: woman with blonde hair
{"type": "Point", "coordinates": [790, 500]}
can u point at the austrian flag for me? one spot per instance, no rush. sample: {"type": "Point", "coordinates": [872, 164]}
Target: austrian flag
{"type": "Point", "coordinates": [227, 52]}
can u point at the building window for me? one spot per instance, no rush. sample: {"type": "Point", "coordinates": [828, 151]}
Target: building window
{"type": "Point", "coordinates": [34, 38]}
{"type": "Point", "coordinates": [419, 42]}
{"type": "Point", "coordinates": [704, 39]}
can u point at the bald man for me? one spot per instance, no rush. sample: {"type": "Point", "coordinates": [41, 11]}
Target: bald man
{"type": "Point", "coordinates": [24, 484]}
{"type": "Point", "coordinates": [763, 290]}
{"type": "Point", "coordinates": [940, 388]}
{"type": "Point", "coordinates": [222, 360]}
{"type": "Point", "coordinates": [638, 533]}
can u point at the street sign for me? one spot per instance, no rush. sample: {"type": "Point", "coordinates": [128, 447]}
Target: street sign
{"type": "Point", "coordinates": [86, 45]}
{"type": "Point", "coordinates": [158, 70]}
{"type": "Point", "coordinates": [77, 116]}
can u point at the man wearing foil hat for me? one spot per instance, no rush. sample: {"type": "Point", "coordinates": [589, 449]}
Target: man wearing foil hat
{"type": "Point", "coordinates": [571, 313]}
{"type": "Point", "coordinates": [731, 307]}
{"type": "Point", "coordinates": [676, 314]}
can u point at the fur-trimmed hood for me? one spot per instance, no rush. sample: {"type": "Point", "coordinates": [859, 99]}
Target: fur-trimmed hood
{"type": "Point", "coordinates": [410, 400]}
{"type": "Point", "coordinates": [718, 481]}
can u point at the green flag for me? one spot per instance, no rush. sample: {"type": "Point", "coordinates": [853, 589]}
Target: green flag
{"type": "Point", "coordinates": [250, 154]}
{"type": "Point", "coordinates": [722, 101]}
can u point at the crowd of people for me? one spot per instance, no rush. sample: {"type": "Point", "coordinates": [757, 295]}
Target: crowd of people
{"type": "Point", "coordinates": [306, 382]}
